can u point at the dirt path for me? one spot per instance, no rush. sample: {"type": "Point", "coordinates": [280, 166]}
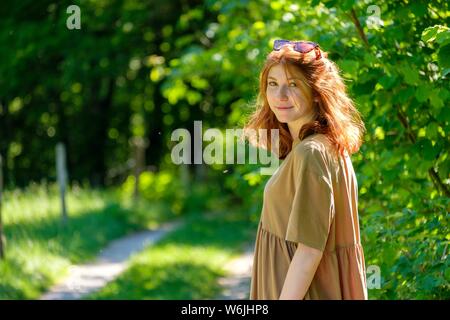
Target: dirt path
{"type": "Point", "coordinates": [88, 278]}
{"type": "Point", "coordinates": [236, 286]}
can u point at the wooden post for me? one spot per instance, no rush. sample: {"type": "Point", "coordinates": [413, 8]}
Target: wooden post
{"type": "Point", "coordinates": [61, 172]}
{"type": "Point", "coordinates": [2, 239]}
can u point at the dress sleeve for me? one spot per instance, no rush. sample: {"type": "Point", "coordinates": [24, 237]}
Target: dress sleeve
{"type": "Point", "coordinates": [313, 209]}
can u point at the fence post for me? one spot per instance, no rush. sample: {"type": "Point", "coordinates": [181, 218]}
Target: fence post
{"type": "Point", "coordinates": [61, 172]}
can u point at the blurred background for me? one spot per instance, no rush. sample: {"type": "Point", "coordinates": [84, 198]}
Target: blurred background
{"type": "Point", "coordinates": [107, 82]}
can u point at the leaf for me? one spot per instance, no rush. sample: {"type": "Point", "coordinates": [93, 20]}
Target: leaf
{"type": "Point", "coordinates": [443, 37]}
{"type": "Point", "coordinates": [403, 95]}
{"type": "Point", "coordinates": [388, 81]}
{"type": "Point", "coordinates": [422, 92]}
{"type": "Point", "coordinates": [330, 3]}
{"type": "Point", "coordinates": [419, 8]}
{"type": "Point", "coordinates": [447, 274]}
{"type": "Point", "coordinates": [349, 66]}
{"type": "Point", "coordinates": [435, 99]}
{"type": "Point", "coordinates": [429, 33]}
{"type": "Point", "coordinates": [444, 57]}
{"type": "Point", "coordinates": [364, 88]}
{"type": "Point", "coordinates": [438, 33]}
{"type": "Point", "coordinates": [432, 130]}
{"type": "Point", "coordinates": [369, 59]}
{"type": "Point", "coordinates": [444, 94]}
{"type": "Point", "coordinates": [410, 74]}
{"type": "Point", "coordinates": [444, 115]}
{"type": "Point", "coordinates": [427, 150]}
{"type": "Point", "coordinates": [347, 4]}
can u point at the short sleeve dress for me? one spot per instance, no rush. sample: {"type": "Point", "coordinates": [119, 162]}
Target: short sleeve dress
{"type": "Point", "coordinates": [312, 198]}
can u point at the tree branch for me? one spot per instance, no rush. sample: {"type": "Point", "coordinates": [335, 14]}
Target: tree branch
{"type": "Point", "coordinates": [358, 26]}
{"type": "Point", "coordinates": [433, 174]}
{"type": "Point", "coordinates": [404, 121]}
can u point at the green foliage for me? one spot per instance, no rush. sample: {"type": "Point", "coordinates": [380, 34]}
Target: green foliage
{"type": "Point", "coordinates": [411, 249]}
{"type": "Point", "coordinates": [440, 35]}
{"type": "Point", "coordinates": [162, 187]}
{"type": "Point", "coordinates": [166, 192]}
{"type": "Point", "coordinates": [142, 69]}
{"type": "Point", "coordinates": [246, 185]}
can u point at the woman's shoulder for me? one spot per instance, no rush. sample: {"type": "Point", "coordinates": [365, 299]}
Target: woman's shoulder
{"type": "Point", "coordinates": [314, 151]}
{"type": "Point", "coordinates": [315, 144]}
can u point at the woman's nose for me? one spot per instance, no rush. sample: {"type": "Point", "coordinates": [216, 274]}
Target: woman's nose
{"type": "Point", "coordinates": [282, 93]}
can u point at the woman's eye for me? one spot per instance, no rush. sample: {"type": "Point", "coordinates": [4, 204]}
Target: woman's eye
{"type": "Point", "coordinates": [292, 84]}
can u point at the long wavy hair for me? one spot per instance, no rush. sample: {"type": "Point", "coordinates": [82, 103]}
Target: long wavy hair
{"type": "Point", "coordinates": [335, 113]}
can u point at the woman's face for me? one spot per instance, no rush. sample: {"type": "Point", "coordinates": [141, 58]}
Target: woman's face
{"type": "Point", "coordinates": [290, 99]}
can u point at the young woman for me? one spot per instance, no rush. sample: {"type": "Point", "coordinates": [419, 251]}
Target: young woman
{"type": "Point", "coordinates": [308, 239]}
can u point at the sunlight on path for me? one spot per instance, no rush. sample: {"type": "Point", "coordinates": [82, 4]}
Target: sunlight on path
{"type": "Point", "coordinates": [88, 278]}
{"type": "Point", "coordinates": [236, 286]}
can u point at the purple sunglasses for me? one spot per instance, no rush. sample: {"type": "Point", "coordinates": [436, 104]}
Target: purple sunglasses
{"type": "Point", "coordinates": [299, 46]}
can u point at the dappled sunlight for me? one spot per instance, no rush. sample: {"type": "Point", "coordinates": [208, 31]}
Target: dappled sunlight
{"type": "Point", "coordinates": [175, 280]}
{"type": "Point", "coordinates": [41, 248]}
{"type": "Point", "coordinates": [186, 264]}
{"type": "Point", "coordinates": [117, 117]}
{"type": "Point", "coordinates": [41, 202]}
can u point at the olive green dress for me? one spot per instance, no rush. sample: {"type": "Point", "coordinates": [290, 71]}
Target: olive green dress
{"type": "Point", "coordinates": [312, 198]}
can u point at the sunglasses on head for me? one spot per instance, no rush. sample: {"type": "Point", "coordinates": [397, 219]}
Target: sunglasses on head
{"type": "Point", "coordinates": [299, 46]}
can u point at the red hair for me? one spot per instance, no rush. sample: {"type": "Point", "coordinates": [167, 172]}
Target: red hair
{"type": "Point", "coordinates": [335, 113]}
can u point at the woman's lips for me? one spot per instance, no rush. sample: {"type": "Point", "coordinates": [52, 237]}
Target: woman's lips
{"type": "Point", "coordinates": [285, 108]}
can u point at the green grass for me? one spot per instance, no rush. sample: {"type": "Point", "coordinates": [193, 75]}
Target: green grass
{"type": "Point", "coordinates": [187, 263]}
{"type": "Point", "coordinates": [39, 248]}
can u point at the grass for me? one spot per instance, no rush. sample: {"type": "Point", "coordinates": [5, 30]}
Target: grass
{"type": "Point", "coordinates": [39, 248]}
{"type": "Point", "coordinates": [187, 263]}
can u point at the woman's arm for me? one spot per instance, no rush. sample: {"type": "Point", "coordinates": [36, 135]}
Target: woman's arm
{"type": "Point", "coordinates": [301, 272]}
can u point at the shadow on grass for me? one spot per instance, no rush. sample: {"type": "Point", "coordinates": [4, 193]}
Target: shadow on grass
{"type": "Point", "coordinates": [170, 281]}
{"type": "Point", "coordinates": [77, 241]}
{"type": "Point", "coordinates": [187, 263]}
{"type": "Point", "coordinates": [223, 230]}
{"type": "Point", "coordinates": [38, 252]}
